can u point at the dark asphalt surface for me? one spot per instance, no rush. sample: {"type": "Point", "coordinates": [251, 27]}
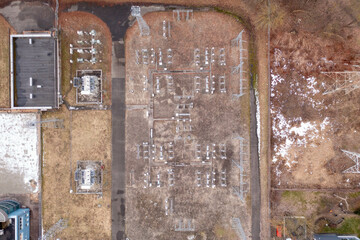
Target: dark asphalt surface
{"type": "Point", "coordinates": [255, 169]}
{"type": "Point", "coordinates": [116, 17]}
{"type": "Point", "coordinates": [118, 159]}
{"type": "Point", "coordinates": [28, 16]}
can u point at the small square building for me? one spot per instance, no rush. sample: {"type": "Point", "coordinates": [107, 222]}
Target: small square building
{"type": "Point", "coordinates": [88, 177]}
{"type": "Point", "coordinates": [34, 71]}
{"type": "Point", "coordinates": [88, 84]}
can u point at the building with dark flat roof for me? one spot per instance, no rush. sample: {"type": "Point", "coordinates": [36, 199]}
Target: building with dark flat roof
{"type": "Point", "coordinates": [34, 71]}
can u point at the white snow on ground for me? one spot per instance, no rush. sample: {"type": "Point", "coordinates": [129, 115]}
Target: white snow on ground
{"type": "Point", "coordinates": [302, 135]}
{"type": "Point", "coordinates": [18, 147]}
{"type": "Point", "coordinates": [303, 128]}
{"type": "Point", "coordinates": [294, 132]}
{"type": "Point", "coordinates": [258, 119]}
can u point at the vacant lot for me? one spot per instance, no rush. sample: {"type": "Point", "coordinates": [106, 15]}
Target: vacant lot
{"type": "Point", "coordinates": [86, 136]}
{"type": "Point", "coordinates": [5, 30]}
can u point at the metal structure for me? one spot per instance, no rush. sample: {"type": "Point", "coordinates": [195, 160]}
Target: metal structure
{"type": "Point", "coordinates": [236, 224]}
{"type": "Point", "coordinates": [166, 28]}
{"type": "Point", "coordinates": [347, 81]}
{"type": "Point", "coordinates": [356, 158]}
{"type": "Point", "coordinates": [240, 190]}
{"type": "Point", "coordinates": [180, 14]}
{"type": "Point", "coordinates": [89, 86]}
{"type": "Point", "coordinates": [49, 123]}
{"type": "Point", "coordinates": [144, 28]}
{"type": "Point", "coordinates": [89, 177]}
{"type": "Point", "coordinates": [55, 229]}
{"type": "Point", "coordinates": [239, 69]}
{"type": "Point", "coordinates": [185, 225]}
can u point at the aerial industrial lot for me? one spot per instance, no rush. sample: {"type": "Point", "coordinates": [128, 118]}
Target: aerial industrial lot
{"type": "Point", "coordinates": [179, 119]}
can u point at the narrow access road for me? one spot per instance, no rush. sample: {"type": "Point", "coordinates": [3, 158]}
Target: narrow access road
{"type": "Point", "coordinates": [118, 170]}
{"type": "Point", "coordinates": [254, 168]}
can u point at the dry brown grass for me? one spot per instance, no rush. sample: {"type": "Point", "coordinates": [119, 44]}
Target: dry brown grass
{"type": "Point", "coordinates": [5, 30]}
{"type": "Point", "coordinates": [275, 16]}
{"type": "Point", "coordinates": [89, 216]}
{"type": "Point", "coordinates": [70, 23]}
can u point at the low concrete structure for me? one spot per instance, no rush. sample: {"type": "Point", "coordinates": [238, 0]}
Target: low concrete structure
{"type": "Point", "coordinates": [88, 177]}
{"type": "Point", "coordinates": [89, 86]}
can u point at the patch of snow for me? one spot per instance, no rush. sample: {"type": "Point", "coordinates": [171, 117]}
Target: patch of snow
{"type": "Point", "coordinates": [276, 79]}
{"type": "Point", "coordinates": [290, 133]}
{"type": "Point", "coordinates": [303, 129]}
{"type": "Point", "coordinates": [258, 119]}
{"type": "Point", "coordinates": [19, 153]}
{"type": "Point", "coordinates": [325, 123]}
{"type": "Point", "coordinates": [311, 84]}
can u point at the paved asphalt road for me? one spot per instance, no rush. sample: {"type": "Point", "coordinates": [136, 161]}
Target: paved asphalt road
{"type": "Point", "coordinates": [255, 170]}
{"type": "Point", "coordinates": [118, 143]}
{"type": "Point", "coordinates": [118, 161]}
